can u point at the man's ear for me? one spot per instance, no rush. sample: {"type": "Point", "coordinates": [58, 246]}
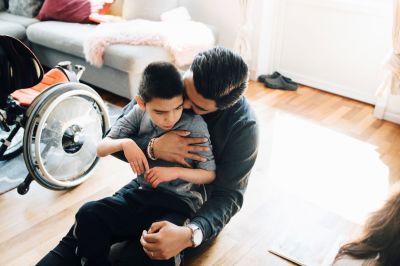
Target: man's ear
{"type": "Point", "coordinates": [140, 102]}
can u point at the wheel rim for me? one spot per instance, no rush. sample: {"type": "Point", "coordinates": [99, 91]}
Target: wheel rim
{"type": "Point", "coordinates": [63, 114]}
{"type": "Point", "coordinates": [75, 135]}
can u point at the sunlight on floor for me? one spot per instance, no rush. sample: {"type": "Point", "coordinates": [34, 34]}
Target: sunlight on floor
{"type": "Point", "coordinates": [325, 167]}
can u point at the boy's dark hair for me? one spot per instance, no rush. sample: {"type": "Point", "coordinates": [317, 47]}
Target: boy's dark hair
{"type": "Point", "coordinates": [220, 75]}
{"type": "Point", "coordinates": [160, 80]}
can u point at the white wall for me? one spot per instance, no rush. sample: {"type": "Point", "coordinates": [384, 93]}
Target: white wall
{"type": "Point", "coordinates": [334, 45]}
{"type": "Point", "coordinates": [223, 14]}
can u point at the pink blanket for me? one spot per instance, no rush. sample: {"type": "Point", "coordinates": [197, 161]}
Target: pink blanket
{"type": "Point", "coordinates": [182, 39]}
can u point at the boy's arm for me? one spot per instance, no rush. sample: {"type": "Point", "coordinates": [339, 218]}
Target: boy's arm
{"type": "Point", "coordinates": [122, 120]}
{"type": "Point", "coordinates": [132, 152]}
{"type": "Point", "coordinates": [158, 175]}
{"type": "Point", "coordinates": [109, 145]}
{"type": "Point", "coordinates": [195, 176]}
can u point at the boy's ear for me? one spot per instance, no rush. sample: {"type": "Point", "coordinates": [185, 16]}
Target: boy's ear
{"type": "Point", "coordinates": [140, 102]}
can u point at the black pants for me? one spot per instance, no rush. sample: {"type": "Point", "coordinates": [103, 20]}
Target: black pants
{"type": "Point", "coordinates": [99, 224]}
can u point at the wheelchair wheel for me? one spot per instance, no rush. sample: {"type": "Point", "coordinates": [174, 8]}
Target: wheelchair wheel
{"type": "Point", "coordinates": [64, 125]}
{"type": "Point", "coordinates": [15, 147]}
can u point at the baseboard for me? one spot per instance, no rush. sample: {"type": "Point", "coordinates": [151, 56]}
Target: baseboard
{"type": "Point", "coordinates": [331, 87]}
{"type": "Point", "coordinates": [392, 117]}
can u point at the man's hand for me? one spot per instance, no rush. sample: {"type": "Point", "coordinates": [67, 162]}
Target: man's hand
{"type": "Point", "coordinates": [175, 146]}
{"type": "Point", "coordinates": [157, 175]}
{"type": "Point", "coordinates": [164, 240]}
{"type": "Point", "coordinates": [135, 157]}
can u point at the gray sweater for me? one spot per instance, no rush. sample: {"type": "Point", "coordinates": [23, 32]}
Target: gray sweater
{"type": "Point", "coordinates": [137, 124]}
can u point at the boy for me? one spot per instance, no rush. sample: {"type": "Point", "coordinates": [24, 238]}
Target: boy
{"type": "Point", "coordinates": [167, 190]}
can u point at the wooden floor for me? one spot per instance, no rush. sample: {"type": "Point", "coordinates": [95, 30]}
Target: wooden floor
{"type": "Point", "coordinates": [324, 163]}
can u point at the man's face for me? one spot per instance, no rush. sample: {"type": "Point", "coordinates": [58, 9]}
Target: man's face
{"type": "Point", "coordinates": [195, 100]}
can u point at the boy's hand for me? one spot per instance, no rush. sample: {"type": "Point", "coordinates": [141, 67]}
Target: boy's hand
{"type": "Point", "coordinates": [135, 157]}
{"type": "Point", "coordinates": [157, 175]}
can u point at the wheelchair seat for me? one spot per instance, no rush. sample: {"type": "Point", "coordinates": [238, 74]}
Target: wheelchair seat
{"type": "Point", "coordinates": [25, 96]}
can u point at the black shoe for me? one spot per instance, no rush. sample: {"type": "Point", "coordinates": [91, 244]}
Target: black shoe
{"type": "Point", "coordinates": [280, 83]}
{"type": "Point", "coordinates": [274, 75]}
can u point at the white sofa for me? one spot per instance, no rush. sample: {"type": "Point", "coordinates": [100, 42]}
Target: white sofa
{"type": "Point", "coordinates": [55, 41]}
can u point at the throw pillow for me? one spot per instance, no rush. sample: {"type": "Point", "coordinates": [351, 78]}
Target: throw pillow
{"type": "Point", "coordinates": [147, 9]}
{"type": "Point", "coordinates": [72, 10]}
{"type": "Point", "coordinates": [177, 14]}
{"type": "Point", "coordinates": [26, 8]}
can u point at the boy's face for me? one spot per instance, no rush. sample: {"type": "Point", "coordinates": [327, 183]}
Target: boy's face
{"type": "Point", "coordinates": [165, 113]}
{"type": "Point", "coordinates": [195, 100]}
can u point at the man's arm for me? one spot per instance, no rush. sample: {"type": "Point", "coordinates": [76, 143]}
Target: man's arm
{"type": "Point", "coordinates": [233, 172]}
{"type": "Point", "coordinates": [225, 201]}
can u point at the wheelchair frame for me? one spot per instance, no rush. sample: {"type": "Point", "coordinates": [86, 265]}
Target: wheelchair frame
{"type": "Point", "coordinates": [46, 136]}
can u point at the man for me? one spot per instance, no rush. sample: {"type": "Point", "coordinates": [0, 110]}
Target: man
{"type": "Point", "coordinates": [214, 87]}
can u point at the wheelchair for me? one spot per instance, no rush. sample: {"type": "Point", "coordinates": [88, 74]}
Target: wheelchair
{"type": "Point", "coordinates": [55, 121]}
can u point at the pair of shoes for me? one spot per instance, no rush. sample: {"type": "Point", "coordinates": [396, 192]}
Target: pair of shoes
{"type": "Point", "coordinates": [274, 75]}
{"type": "Point", "coordinates": [278, 81]}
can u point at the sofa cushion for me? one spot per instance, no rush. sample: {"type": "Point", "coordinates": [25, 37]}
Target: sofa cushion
{"type": "Point", "coordinates": [147, 9]}
{"type": "Point", "coordinates": [12, 29]}
{"type": "Point", "coordinates": [23, 21]}
{"type": "Point", "coordinates": [69, 37]}
{"type": "Point", "coordinates": [27, 8]}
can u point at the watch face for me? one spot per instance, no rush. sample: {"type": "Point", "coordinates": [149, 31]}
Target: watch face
{"type": "Point", "coordinates": [197, 237]}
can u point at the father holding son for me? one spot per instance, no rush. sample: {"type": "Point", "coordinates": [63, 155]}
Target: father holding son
{"type": "Point", "coordinates": [213, 88]}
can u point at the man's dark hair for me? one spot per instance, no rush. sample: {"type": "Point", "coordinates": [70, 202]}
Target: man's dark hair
{"type": "Point", "coordinates": [160, 80]}
{"type": "Point", "coordinates": [220, 75]}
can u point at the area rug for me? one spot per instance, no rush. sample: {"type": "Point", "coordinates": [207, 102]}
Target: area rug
{"type": "Point", "coordinates": [14, 171]}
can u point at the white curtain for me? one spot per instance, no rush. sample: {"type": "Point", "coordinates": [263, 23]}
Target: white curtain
{"type": "Point", "coordinates": [391, 83]}
{"type": "Point", "coordinates": [242, 43]}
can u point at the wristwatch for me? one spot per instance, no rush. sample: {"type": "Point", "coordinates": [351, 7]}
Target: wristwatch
{"type": "Point", "coordinates": [197, 235]}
